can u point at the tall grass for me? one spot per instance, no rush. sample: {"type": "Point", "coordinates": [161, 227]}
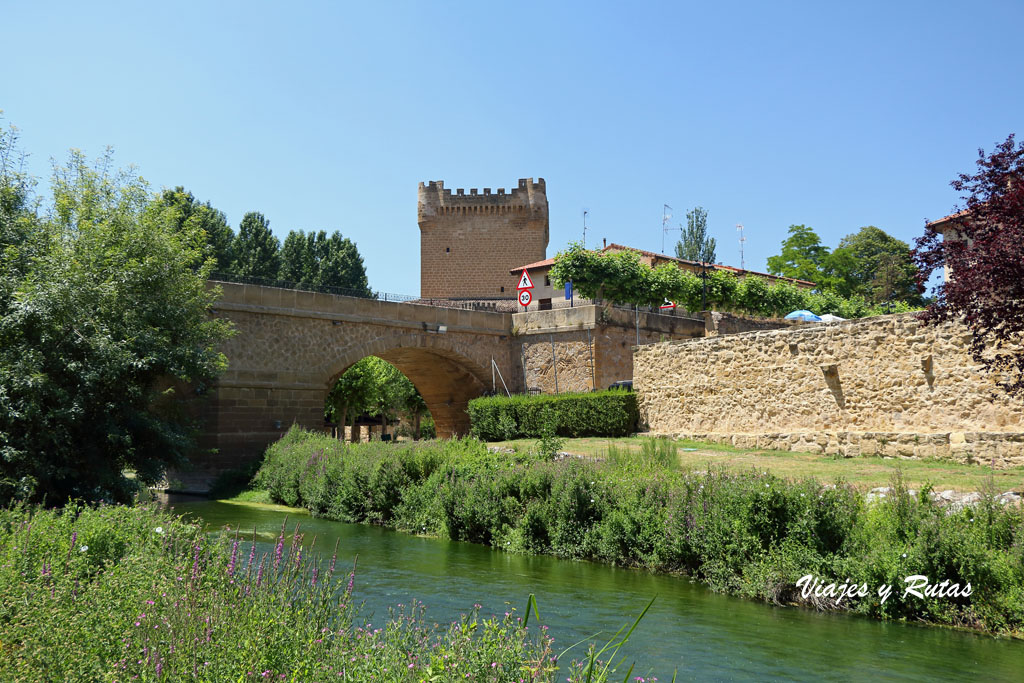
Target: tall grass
{"type": "Point", "coordinates": [134, 594]}
{"type": "Point", "coordinates": [655, 454]}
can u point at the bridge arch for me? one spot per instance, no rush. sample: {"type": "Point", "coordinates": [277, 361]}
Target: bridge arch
{"type": "Point", "coordinates": [440, 368]}
{"type": "Point", "coordinates": [291, 345]}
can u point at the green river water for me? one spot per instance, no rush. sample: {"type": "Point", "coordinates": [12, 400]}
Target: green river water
{"type": "Point", "coordinates": [706, 636]}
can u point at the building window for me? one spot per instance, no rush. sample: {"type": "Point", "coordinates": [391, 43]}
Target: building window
{"type": "Point", "coordinates": [545, 305]}
{"type": "Point", "coordinates": [547, 280]}
{"type": "Point", "coordinates": [447, 249]}
{"type": "Point", "coordinates": [502, 289]}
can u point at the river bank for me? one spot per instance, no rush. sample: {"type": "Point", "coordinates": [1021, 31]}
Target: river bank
{"type": "Point", "coordinates": [745, 533]}
{"type": "Point", "coordinates": [865, 471]}
{"type": "Point", "coordinates": [702, 634]}
{"type": "Point", "coordinates": [119, 593]}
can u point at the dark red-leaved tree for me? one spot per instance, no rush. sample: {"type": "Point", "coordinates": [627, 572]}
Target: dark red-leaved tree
{"type": "Point", "coordinates": [983, 250]}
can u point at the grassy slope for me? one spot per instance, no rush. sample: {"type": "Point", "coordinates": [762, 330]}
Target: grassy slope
{"type": "Point", "coordinates": [864, 472]}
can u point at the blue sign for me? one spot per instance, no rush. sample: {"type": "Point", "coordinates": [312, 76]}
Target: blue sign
{"type": "Point", "coordinates": [568, 290]}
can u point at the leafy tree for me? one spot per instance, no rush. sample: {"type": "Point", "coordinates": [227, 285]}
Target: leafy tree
{"type": "Point", "coordinates": [612, 276]}
{"type": "Point", "coordinates": [873, 264]}
{"type": "Point", "coordinates": [295, 259]}
{"type": "Point", "coordinates": [389, 391]}
{"type": "Point", "coordinates": [19, 231]}
{"type": "Point", "coordinates": [376, 388]}
{"type": "Point", "coordinates": [984, 251]}
{"type": "Point", "coordinates": [318, 260]}
{"type": "Point", "coordinates": [181, 208]}
{"type": "Point", "coordinates": [350, 395]}
{"type": "Point", "coordinates": [802, 255]}
{"type": "Point", "coordinates": [621, 277]}
{"type": "Point", "coordinates": [255, 248]}
{"type": "Point", "coordinates": [695, 245]}
{"type": "Point", "coordinates": [104, 310]}
{"type": "Point", "coordinates": [415, 408]}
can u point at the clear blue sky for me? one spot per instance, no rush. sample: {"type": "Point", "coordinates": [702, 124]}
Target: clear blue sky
{"type": "Point", "coordinates": [327, 115]}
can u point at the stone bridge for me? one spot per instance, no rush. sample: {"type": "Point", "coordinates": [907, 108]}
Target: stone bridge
{"type": "Point", "coordinates": [291, 346]}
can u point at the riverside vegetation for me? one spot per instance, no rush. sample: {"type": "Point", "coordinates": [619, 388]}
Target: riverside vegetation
{"type": "Point", "coordinates": [745, 532]}
{"type": "Point", "coordinates": [117, 593]}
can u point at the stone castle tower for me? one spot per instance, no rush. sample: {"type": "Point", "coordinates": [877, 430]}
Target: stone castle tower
{"type": "Point", "coordinates": [468, 243]}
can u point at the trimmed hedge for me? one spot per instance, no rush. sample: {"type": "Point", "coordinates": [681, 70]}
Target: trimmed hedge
{"type": "Point", "coordinates": [601, 413]}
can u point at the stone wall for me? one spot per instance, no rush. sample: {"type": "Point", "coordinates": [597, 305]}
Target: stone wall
{"type": "Point", "coordinates": [468, 243]}
{"type": "Point", "coordinates": [558, 362]}
{"type": "Point", "coordinates": [716, 322]}
{"type": "Point", "coordinates": [882, 385]}
{"type": "Point", "coordinates": [593, 345]}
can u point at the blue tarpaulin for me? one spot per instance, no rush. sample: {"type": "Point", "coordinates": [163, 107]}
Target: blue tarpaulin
{"type": "Point", "coordinates": [803, 315]}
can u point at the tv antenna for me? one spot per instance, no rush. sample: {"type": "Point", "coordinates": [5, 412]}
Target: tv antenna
{"type": "Point", "coordinates": [665, 218]}
{"type": "Point", "coordinates": [739, 227]}
{"type": "Point", "coordinates": [585, 212]}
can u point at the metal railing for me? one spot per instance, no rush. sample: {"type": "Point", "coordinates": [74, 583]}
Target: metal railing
{"type": "Point", "coordinates": [558, 304]}
{"type": "Point", "coordinates": [472, 305]}
{"type": "Point", "coordinates": [307, 287]}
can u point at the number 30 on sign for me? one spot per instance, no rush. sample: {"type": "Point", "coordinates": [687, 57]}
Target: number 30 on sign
{"type": "Point", "coordinates": [525, 297]}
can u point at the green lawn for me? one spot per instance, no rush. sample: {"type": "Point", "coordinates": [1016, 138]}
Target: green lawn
{"type": "Point", "coordinates": [866, 472]}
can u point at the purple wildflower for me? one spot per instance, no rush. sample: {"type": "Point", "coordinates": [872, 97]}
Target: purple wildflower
{"type": "Point", "coordinates": [352, 577]}
{"type": "Point", "coordinates": [334, 558]}
{"type": "Point", "coordinates": [234, 558]}
{"type": "Point", "coordinates": [195, 563]}
{"type": "Point", "coordinates": [252, 550]}
{"type": "Point", "coordinates": [278, 551]}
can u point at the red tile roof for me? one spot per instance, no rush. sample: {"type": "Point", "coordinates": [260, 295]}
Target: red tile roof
{"type": "Point", "coordinates": [950, 217]}
{"type": "Point", "coordinates": [539, 264]}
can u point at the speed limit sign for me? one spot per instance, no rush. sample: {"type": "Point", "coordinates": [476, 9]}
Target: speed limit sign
{"type": "Point", "coordinates": [525, 297]}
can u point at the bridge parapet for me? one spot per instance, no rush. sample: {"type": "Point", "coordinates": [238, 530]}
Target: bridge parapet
{"type": "Point", "coordinates": [278, 301]}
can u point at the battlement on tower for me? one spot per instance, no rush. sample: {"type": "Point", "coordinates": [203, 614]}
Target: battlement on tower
{"type": "Point", "coordinates": [468, 242]}
{"type": "Point", "coordinates": [435, 200]}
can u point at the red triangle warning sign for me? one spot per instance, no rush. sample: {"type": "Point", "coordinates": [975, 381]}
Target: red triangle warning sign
{"type": "Point", "coordinates": [524, 281]}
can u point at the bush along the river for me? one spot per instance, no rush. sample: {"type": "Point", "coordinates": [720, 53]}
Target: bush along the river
{"type": "Point", "coordinates": [744, 532]}
{"type": "Point", "coordinates": [600, 413]}
{"type": "Point", "coordinates": [122, 594]}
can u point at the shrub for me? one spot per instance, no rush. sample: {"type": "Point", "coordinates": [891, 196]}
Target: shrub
{"type": "Point", "coordinates": [603, 413]}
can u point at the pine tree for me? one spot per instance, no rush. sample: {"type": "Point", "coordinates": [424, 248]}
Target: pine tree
{"type": "Point", "coordinates": [695, 245]}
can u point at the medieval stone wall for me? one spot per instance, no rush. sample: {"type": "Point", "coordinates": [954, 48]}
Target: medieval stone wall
{"type": "Point", "coordinates": [735, 323]}
{"type": "Point", "coordinates": [468, 243]}
{"type": "Point", "coordinates": [591, 346]}
{"type": "Point", "coordinates": [882, 385]}
{"type": "Point", "coordinates": [558, 362]}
